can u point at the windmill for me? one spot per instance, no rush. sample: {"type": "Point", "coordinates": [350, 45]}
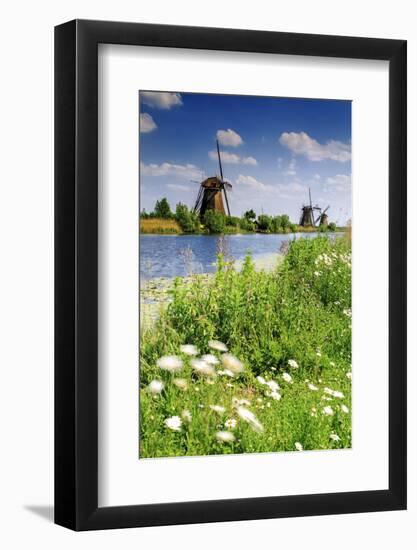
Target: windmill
{"type": "Point", "coordinates": [210, 193]}
{"type": "Point", "coordinates": [308, 219]}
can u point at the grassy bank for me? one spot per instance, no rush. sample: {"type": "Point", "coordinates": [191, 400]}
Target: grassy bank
{"type": "Point", "coordinates": [160, 226]}
{"type": "Point", "coordinates": [285, 382]}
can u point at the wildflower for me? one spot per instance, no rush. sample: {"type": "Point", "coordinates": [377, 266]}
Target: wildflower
{"type": "Point", "coordinates": [273, 386]}
{"type": "Point", "coordinates": [349, 375]}
{"type": "Point", "coordinates": [287, 377]}
{"type": "Point", "coordinates": [210, 359]}
{"type": "Point", "coordinates": [318, 353]}
{"type": "Point", "coordinates": [189, 349]}
{"type": "Point", "coordinates": [261, 379]}
{"type": "Point", "coordinates": [171, 363]}
{"type": "Point", "coordinates": [268, 405]}
{"type": "Point", "coordinates": [334, 437]}
{"type": "Point", "coordinates": [344, 409]}
{"type": "Point", "coordinates": [186, 415]}
{"type": "Point", "coordinates": [181, 383]}
{"type": "Point", "coordinates": [332, 364]}
{"type": "Point", "coordinates": [293, 364]}
{"type": "Point", "coordinates": [225, 372]}
{"type": "Point", "coordinates": [273, 368]}
{"type": "Point", "coordinates": [312, 387]}
{"type": "Point", "coordinates": [225, 437]}
{"type": "Point", "coordinates": [313, 412]}
{"type": "Point", "coordinates": [328, 411]}
{"type": "Point", "coordinates": [173, 423]}
{"type": "Point", "coordinates": [230, 423]}
{"type": "Point", "coordinates": [229, 385]}
{"type": "Point", "coordinates": [156, 386]}
{"type": "Point", "coordinates": [347, 312]}
{"type": "Point", "coordinates": [275, 395]}
{"type": "Point", "coordinates": [201, 367]}
{"type": "Point", "coordinates": [217, 408]}
{"type": "Point", "coordinates": [298, 446]}
{"type": "Point", "coordinates": [218, 346]}
{"type": "Point", "coordinates": [232, 363]}
{"type": "Point", "coordinates": [250, 418]}
{"type": "Point", "coordinates": [316, 273]}
{"type": "Point", "coordinates": [334, 393]}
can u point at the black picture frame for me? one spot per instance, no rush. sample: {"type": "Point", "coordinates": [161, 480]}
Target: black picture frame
{"type": "Point", "coordinates": [76, 272]}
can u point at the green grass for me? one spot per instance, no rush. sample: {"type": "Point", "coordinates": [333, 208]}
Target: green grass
{"type": "Point", "coordinates": [299, 312]}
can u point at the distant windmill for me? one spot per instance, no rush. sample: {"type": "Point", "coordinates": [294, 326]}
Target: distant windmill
{"type": "Point", "coordinates": [210, 193]}
{"type": "Point", "coordinates": [307, 218]}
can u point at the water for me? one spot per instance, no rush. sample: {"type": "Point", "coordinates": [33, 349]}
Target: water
{"type": "Point", "coordinates": [180, 255]}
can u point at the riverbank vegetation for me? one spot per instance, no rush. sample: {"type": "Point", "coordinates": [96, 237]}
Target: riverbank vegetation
{"type": "Point", "coordinates": [184, 220]}
{"type": "Point", "coordinates": [248, 361]}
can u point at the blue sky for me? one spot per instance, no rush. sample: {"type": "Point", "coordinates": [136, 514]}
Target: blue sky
{"type": "Point", "coordinates": [273, 150]}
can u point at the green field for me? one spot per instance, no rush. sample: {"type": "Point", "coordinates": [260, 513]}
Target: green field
{"type": "Point", "coordinates": [284, 383]}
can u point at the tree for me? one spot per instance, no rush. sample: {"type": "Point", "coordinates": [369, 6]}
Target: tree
{"type": "Point", "coordinates": [332, 226]}
{"type": "Point", "coordinates": [264, 222]}
{"type": "Point", "coordinates": [214, 221]}
{"type": "Point", "coordinates": [189, 221]}
{"type": "Point", "coordinates": [162, 209]}
{"type": "Point", "coordinates": [250, 215]}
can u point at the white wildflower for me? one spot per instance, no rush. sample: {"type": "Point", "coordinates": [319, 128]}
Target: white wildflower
{"type": "Point", "coordinates": [312, 387]}
{"type": "Point", "coordinates": [293, 364]}
{"type": "Point", "coordinates": [328, 411]}
{"type": "Point", "coordinates": [275, 395]}
{"type": "Point", "coordinates": [334, 393]}
{"type": "Point", "coordinates": [261, 379]}
{"type": "Point", "coordinates": [170, 363]}
{"type": "Point", "coordinates": [344, 409]}
{"type": "Point", "coordinates": [313, 412]}
{"type": "Point", "coordinates": [250, 418]}
{"type": "Point", "coordinates": [156, 386]}
{"type": "Point", "coordinates": [173, 423]}
{"type": "Point", "coordinates": [186, 415]}
{"type": "Point", "coordinates": [201, 367]}
{"type": "Point", "coordinates": [232, 363]}
{"type": "Point", "coordinates": [181, 383]}
{"type": "Point", "coordinates": [347, 312]}
{"type": "Point", "coordinates": [287, 377]}
{"type": "Point", "coordinates": [349, 375]}
{"type": "Point", "coordinates": [316, 273]}
{"type": "Point", "coordinates": [230, 423]}
{"type": "Point", "coordinates": [189, 349]}
{"type": "Point", "coordinates": [218, 346]}
{"type": "Point", "coordinates": [273, 386]}
{"type": "Point", "coordinates": [229, 385]}
{"type": "Point", "coordinates": [332, 364]}
{"type": "Point", "coordinates": [210, 359]}
{"type": "Point", "coordinates": [225, 437]}
{"type": "Point", "coordinates": [334, 437]}
{"type": "Point", "coordinates": [298, 446]}
{"type": "Point", "coordinates": [217, 408]}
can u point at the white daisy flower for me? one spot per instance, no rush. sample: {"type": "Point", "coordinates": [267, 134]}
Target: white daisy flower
{"type": "Point", "coordinates": [217, 408]}
{"type": "Point", "coordinates": [334, 437]}
{"type": "Point", "coordinates": [261, 379]}
{"type": "Point", "coordinates": [344, 409]}
{"type": "Point", "coordinates": [201, 367]}
{"type": "Point", "coordinates": [334, 393]}
{"type": "Point", "coordinates": [189, 349]}
{"type": "Point", "coordinates": [186, 415]}
{"type": "Point", "coordinates": [293, 364]}
{"type": "Point", "coordinates": [218, 346]}
{"type": "Point", "coordinates": [287, 377]}
{"type": "Point", "coordinates": [232, 363]}
{"type": "Point", "coordinates": [173, 423]}
{"type": "Point", "coordinates": [298, 446]}
{"type": "Point", "coordinates": [171, 363]}
{"type": "Point", "coordinates": [230, 423]}
{"type": "Point", "coordinates": [225, 437]}
{"type": "Point", "coordinates": [250, 418]}
{"type": "Point", "coordinates": [275, 395]}
{"type": "Point", "coordinates": [312, 387]}
{"type": "Point", "coordinates": [156, 386]}
{"type": "Point", "coordinates": [328, 411]}
{"type": "Point", "coordinates": [210, 359]}
{"type": "Point", "coordinates": [273, 386]}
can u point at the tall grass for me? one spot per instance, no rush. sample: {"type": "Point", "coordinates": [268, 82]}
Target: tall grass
{"type": "Point", "coordinates": [159, 225]}
{"type": "Point", "coordinates": [293, 321]}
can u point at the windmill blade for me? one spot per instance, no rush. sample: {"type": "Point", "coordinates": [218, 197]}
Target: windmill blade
{"type": "Point", "coordinates": [326, 209]}
{"type": "Point", "coordinates": [228, 185]}
{"type": "Point", "coordinates": [315, 221]}
{"type": "Point", "coordinates": [198, 200]}
{"type": "Point", "coordinates": [220, 162]}
{"type": "Point", "coordinates": [309, 194]}
{"type": "Point", "coordinates": [227, 202]}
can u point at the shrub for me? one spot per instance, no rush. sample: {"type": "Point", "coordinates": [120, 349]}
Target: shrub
{"type": "Point", "coordinates": [214, 221]}
{"type": "Point", "coordinates": [264, 222]}
{"type": "Point", "coordinates": [189, 221]}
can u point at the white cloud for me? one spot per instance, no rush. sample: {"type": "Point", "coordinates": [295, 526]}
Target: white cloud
{"type": "Point", "coordinates": [161, 100]}
{"type": "Point", "coordinates": [317, 177]}
{"type": "Point", "coordinates": [147, 123]}
{"type": "Point", "coordinates": [189, 171]}
{"type": "Point", "coordinates": [252, 182]}
{"type": "Point", "coordinates": [302, 144]}
{"type": "Point", "coordinates": [292, 168]}
{"type": "Point", "coordinates": [176, 187]}
{"type": "Point", "coordinates": [232, 158]}
{"type": "Point", "coordinates": [288, 190]}
{"type": "Point", "coordinates": [229, 138]}
{"type": "Point", "coordinates": [340, 182]}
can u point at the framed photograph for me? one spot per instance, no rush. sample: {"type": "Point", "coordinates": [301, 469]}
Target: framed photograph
{"type": "Point", "coordinates": [230, 244]}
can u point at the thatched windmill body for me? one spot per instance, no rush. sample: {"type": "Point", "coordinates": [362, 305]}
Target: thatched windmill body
{"type": "Point", "coordinates": [211, 192]}
{"type": "Point", "coordinates": [308, 216]}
